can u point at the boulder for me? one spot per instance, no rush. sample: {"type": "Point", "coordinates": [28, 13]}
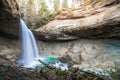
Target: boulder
{"type": "Point", "coordinates": [95, 22]}
{"type": "Point", "coordinates": [9, 18]}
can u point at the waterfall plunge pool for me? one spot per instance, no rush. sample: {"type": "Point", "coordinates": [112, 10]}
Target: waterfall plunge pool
{"type": "Point", "coordinates": [30, 57]}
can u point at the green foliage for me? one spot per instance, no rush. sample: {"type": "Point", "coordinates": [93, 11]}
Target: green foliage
{"type": "Point", "coordinates": [43, 7]}
{"type": "Point", "coordinates": [36, 20]}
{"type": "Point", "coordinates": [56, 5]}
{"type": "Point", "coordinates": [115, 75]}
{"type": "Point", "coordinates": [65, 5]}
{"type": "Point", "coordinates": [43, 15]}
{"type": "Point", "coordinates": [30, 2]}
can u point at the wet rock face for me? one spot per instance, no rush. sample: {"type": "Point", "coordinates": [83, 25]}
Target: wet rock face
{"type": "Point", "coordinates": [86, 53]}
{"type": "Point", "coordinates": [91, 22]}
{"type": "Point", "coordinates": [9, 18]}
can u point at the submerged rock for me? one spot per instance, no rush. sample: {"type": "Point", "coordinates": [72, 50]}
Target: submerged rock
{"type": "Point", "coordinates": [9, 18]}
{"type": "Point", "coordinates": [95, 22]}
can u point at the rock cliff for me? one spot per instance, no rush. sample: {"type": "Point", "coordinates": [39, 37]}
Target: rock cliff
{"type": "Point", "coordinates": [9, 18]}
{"type": "Point", "coordinates": [91, 20]}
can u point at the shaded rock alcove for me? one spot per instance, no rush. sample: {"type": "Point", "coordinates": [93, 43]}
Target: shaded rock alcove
{"type": "Point", "coordinates": [9, 18]}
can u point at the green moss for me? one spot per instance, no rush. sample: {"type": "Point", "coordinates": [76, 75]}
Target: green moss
{"type": "Point", "coordinates": [115, 75]}
{"type": "Point", "coordinates": [44, 73]}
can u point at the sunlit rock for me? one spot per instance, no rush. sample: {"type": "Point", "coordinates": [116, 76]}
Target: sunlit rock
{"type": "Point", "coordinates": [101, 22]}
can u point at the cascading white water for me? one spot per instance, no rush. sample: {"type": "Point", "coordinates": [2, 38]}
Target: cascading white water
{"type": "Point", "coordinates": [30, 52]}
{"type": "Point", "coordinates": [30, 55]}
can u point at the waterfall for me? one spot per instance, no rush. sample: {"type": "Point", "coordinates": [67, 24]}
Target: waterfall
{"type": "Point", "coordinates": [30, 52]}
